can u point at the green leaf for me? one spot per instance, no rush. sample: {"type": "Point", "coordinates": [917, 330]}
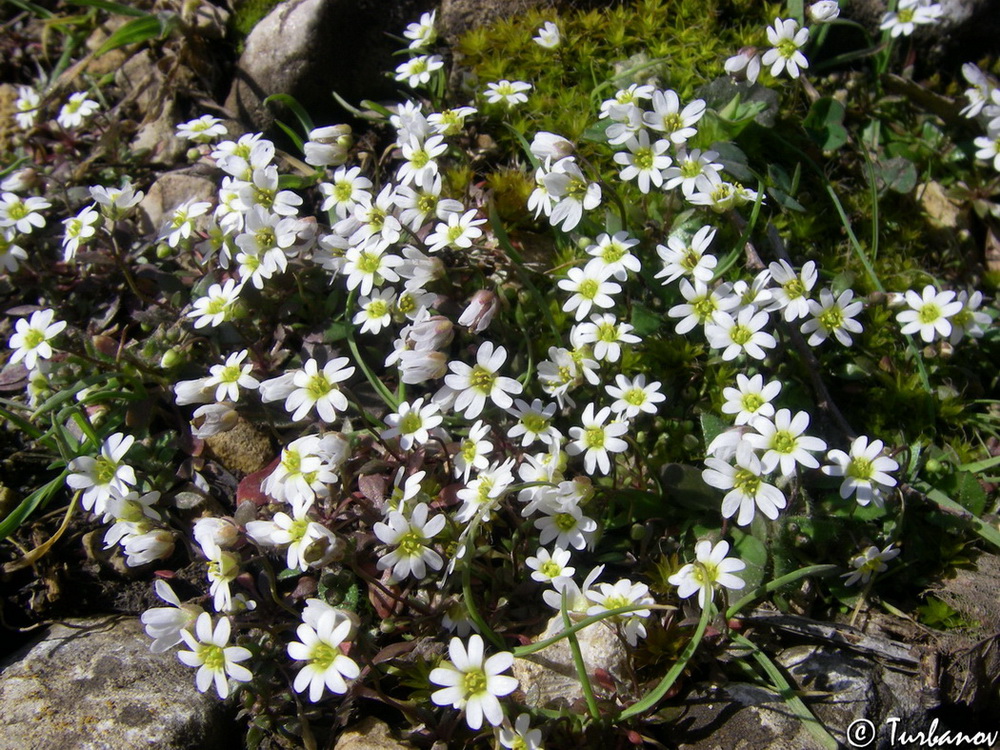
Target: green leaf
{"type": "Point", "coordinates": [966, 490]}
{"type": "Point", "coordinates": [287, 100]}
{"type": "Point", "coordinates": [825, 124]}
{"type": "Point", "coordinates": [37, 499]}
{"type": "Point", "coordinates": [897, 174]}
{"type": "Point", "coordinates": [711, 427]}
{"type": "Point", "coordinates": [122, 10]}
{"type": "Point", "coordinates": [138, 31]}
{"type": "Point", "coordinates": [752, 551]}
{"type": "Point", "coordinates": [644, 320]}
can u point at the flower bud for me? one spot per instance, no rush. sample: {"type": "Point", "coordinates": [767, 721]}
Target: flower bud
{"type": "Point", "coordinates": [328, 146]}
{"type": "Point", "coordinates": [479, 314]}
{"type": "Point", "coordinates": [211, 419]}
{"type": "Point", "coordinates": [549, 145]}
{"type": "Point", "coordinates": [327, 547]}
{"type": "Point", "coordinates": [421, 366]}
{"type": "Point", "coordinates": [823, 11]}
{"type": "Point", "coordinates": [170, 359]}
{"type": "Point", "coordinates": [432, 333]}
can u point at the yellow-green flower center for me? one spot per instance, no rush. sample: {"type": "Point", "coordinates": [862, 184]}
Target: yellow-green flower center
{"type": "Point", "coordinates": [672, 122]}
{"type": "Point", "coordinates": [794, 288]}
{"type": "Point", "coordinates": [860, 468]}
{"type": "Point", "coordinates": [831, 319]}
{"type": "Point", "coordinates": [564, 521]}
{"type": "Point", "coordinates": [751, 402]}
{"type": "Point", "coordinates": [410, 423]}
{"type": "Point", "coordinates": [635, 397]}
{"type": "Point", "coordinates": [929, 313]}
{"type": "Point", "coordinates": [319, 386]}
{"type": "Point", "coordinates": [746, 482]}
{"type": "Point", "coordinates": [593, 437]}
{"type": "Point", "coordinates": [214, 657]}
{"type": "Point", "coordinates": [784, 441]}
{"type": "Point", "coordinates": [550, 568]}
{"type": "Point", "coordinates": [534, 423]}
{"type": "Point", "coordinates": [643, 159]}
{"type": "Point", "coordinates": [474, 682]}
{"type": "Point", "coordinates": [690, 168]}
{"type": "Point", "coordinates": [740, 334]}
{"type": "Point", "coordinates": [369, 262]}
{"type": "Point", "coordinates": [588, 288]}
{"type": "Point", "coordinates": [482, 380]}
{"type": "Point", "coordinates": [411, 544]}
{"type": "Point", "coordinates": [104, 470]}
{"type": "Point", "coordinates": [377, 308]}
{"type": "Point", "coordinates": [322, 655]}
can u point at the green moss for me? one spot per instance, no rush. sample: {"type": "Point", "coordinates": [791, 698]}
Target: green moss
{"type": "Point", "coordinates": [246, 15]}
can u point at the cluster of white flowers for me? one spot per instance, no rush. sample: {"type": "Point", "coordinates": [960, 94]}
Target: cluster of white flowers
{"type": "Point", "coordinates": [909, 14]}
{"type": "Point", "coordinates": [984, 107]}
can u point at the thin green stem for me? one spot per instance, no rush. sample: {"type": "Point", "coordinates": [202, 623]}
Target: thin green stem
{"type": "Point", "coordinates": [777, 583]}
{"type": "Point", "coordinates": [581, 667]}
{"type": "Point", "coordinates": [656, 694]}
{"type": "Point", "coordinates": [470, 605]}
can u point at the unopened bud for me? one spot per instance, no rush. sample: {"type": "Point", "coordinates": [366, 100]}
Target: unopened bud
{"type": "Point", "coordinates": [479, 314]}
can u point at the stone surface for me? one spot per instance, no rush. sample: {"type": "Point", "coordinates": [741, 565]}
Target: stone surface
{"type": "Point", "coordinates": [170, 191]}
{"type": "Point", "coordinates": [548, 677]}
{"type": "Point", "coordinates": [370, 734]}
{"type": "Point", "coordinates": [838, 685]}
{"type": "Point", "coordinates": [242, 450]}
{"type": "Point", "coordinates": [97, 686]}
{"type": "Point", "coordinates": [308, 48]}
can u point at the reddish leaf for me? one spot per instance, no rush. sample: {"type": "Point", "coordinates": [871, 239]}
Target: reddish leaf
{"type": "Point", "coordinates": [249, 490]}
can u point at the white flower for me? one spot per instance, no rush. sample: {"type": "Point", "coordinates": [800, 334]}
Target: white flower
{"type": "Point", "coordinates": [572, 194]}
{"type": "Point", "coordinates": [181, 222]}
{"type": "Point", "coordinates": [745, 62]}
{"type": "Point", "coordinates": [747, 489]}
{"type": "Point", "coordinates": [315, 388]}
{"type": "Point", "coordinates": [833, 316]}
{"type": "Point", "coordinates": [473, 683]}
{"type": "Point", "coordinates": [508, 92]}
{"type": "Point", "coordinates": [421, 33]}
{"type": "Point", "coordinates": [989, 147]}
{"type": "Point", "coordinates": [228, 378]}
{"type": "Point", "coordinates": [824, 11]}
{"type": "Point", "coordinates": [546, 567]}
{"type": "Point", "coordinates": [31, 337]}
{"type": "Point", "coordinates": [596, 439]}
{"type": "Point", "coordinates": [865, 471]}
{"type": "Point", "coordinates": [701, 304]}
{"type": "Point", "coordinates": [548, 36]}
{"type": "Point", "coordinates": [792, 294]}
{"type": "Point", "coordinates": [307, 465]}
{"type": "Point", "coordinates": [76, 110]}
{"type": "Point", "coordinates": [633, 396]}
{"type": "Point", "coordinates": [458, 232]}
{"type": "Point", "coordinates": [969, 320]}
{"type": "Point", "coordinates": [644, 162]}
{"type": "Point", "coordinates": [308, 544]}
{"type": "Point", "coordinates": [787, 38]}
{"type": "Point", "coordinates": [689, 258]}
{"type": "Point", "coordinates": [590, 286]}
{"type": "Point", "coordinates": [411, 538]}
{"type": "Point", "coordinates": [376, 310]}
{"type": "Point", "coordinates": [980, 93]}
{"type": "Point", "coordinates": [751, 398]}
{"type": "Point", "coordinates": [347, 189]}
{"type": "Point", "coordinates": [606, 334]}
{"type": "Point", "coordinates": [721, 196]}
{"type": "Point", "coordinates": [534, 422]}
{"type": "Point", "coordinates": [711, 568]}
{"type": "Point", "coordinates": [164, 624]}
{"type": "Point", "coordinates": [480, 382]}
{"type": "Point", "coordinates": [105, 476]}
{"type": "Point", "coordinates": [623, 593]}
{"type": "Point", "coordinates": [327, 665]}
{"type": "Point", "coordinates": [79, 229]}
{"type": "Point", "coordinates": [473, 452]}
{"type": "Point", "coordinates": [481, 496]}
{"type": "Point", "coordinates": [204, 129]}
{"type": "Point", "coordinates": [547, 145]}
{"type": "Point", "coordinates": [521, 736]}
{"type": "Point", "coordinates": [929, 313]}
{"type": "Point", "coordinates": [11, 254]}
{"type": "Point", "coordinates": [614, 254]}
{"type": "Point", "coordinates": [26, 107]}
{"type": "Point", "coordinates": [24, 215]}
{"type": "Point", "coordinates": [116, 203]}
{"type": "Point", "coordinates": [223, 568]}
{"type": "Point", "coordinates": [328, 146]}
{"type": "Point", "coordinates": [784, 442]}
{"type": "Point", "coordinates": [908, 15]}
{"type": "Point", "coordinates": [419, 159]}
{"type": "Point", "coordinates": [412, 423]}
{"type": "Point", "coordinates": [215, 307]}
{"type": "Point", "coordinates": [215, 659]}
{"type": "Point", "coordinates": [450, 121]}
{"type": "Point", "coordinates": [868, 563]}
{"type": "Point", "coordinates": [367, 266]}
{"type": "Point", "coordinates": [417, 70]}
{"type": "Point", "coordinates": [566, 526]}
{"type": "Point", "coordinates": [742, 334]}
{"type": "Point", "coordinates": [668, 118]}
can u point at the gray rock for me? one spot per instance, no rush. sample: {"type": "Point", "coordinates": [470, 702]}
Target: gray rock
{"type": "Point", "coordinates": [308, 48]}
{"type": "Point", "coordinates": [97, 686]}
{"type": "Point", "coordinates": [370, 734]}
{"type": "Point", "coordinates": [170, 191]}
{"type": "Point", "coordinates": [548, 677]}
{"type": "Point", "coordinates": [839, 686]}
